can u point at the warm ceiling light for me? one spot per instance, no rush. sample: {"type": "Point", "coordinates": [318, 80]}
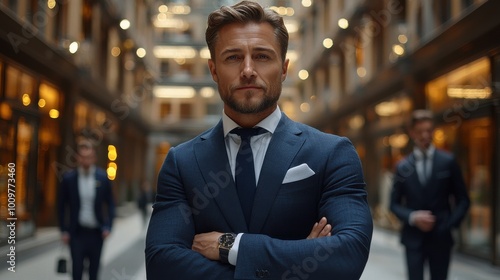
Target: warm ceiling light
{"type": "Point", "coordinates": [207, 92]}
{"type": "Point", "coordinates": [205, 53]}
{"type": "Point", "coordinates": [306, 3]}
{"type": "Point", "coordinates": [303, 74]}
{"type": "Point", "coordinates": [327, 43]}
{"type": "Point", "coordinates": [173, 23]}
{"type": "Point", "coordinates": [51, 4]}
{"type": "Point", "coordinates": [174, 92]}
{"type": "Point", "coordinates": [361, 71]}
{"type": "Point", "coordinates": [387, 109]}
{"type": "Point", "coordinates": [398, 49]}
{"type": "Point", "coordinates": [292, 55]}
{"type": "Point", "coordinates": [141, 52]}
{"type": "Point", "coordinates": [163, 9]}
{"type": "Point", "coordinates": [26, 99]}
{"type": "Point", "coordinates": [291, 26]}
{"type": "Point", "coordinates": [115, 51]}
{"type": "Point", "coordinates": [305, 107]}
{"type": "Point", "coordinates": [343, 23]}
{"type": "Point", "coordinates": [181, 9]}
{"type": "Point", "coordinates": [42, 103]}
{"type": "Point", "coordinates": [468, 92]}
{"type": "Point", "coordinates": [125, 24]}
{"type": "Point", "coordinates": [73, 47]}
{"type": "Point", "coordinates": [174, 52]}
{"type": "Point", "coordinates": [403, 39]}
{"type": "Point", "coordinates": [53, 113]}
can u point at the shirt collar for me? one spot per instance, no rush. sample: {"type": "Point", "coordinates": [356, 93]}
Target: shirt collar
{"type": "Point", "coordinates": [82, 172]}
{"type": "Point", "coordinates": [269, 123]}
{"type": "Point", "coordinates": [419, 153]}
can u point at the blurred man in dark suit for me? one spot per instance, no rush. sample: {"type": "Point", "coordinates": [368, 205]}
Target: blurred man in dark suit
{"type": "Point", "coordinates": [86, 210]}
{"type": "Point", "coordinates": [424, 184]}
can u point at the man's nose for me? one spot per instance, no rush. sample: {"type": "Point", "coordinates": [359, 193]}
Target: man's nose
{"type": "Point", "coordinates": [248, 70]}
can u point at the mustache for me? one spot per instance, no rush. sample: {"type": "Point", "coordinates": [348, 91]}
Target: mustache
{"type": "Point", "coordinates": [249, 85]}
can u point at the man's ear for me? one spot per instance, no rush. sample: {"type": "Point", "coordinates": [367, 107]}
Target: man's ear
{"type": "Point", "coordinates": [213, 72]}
{"type": "Point", "coordinates": [285, 70]}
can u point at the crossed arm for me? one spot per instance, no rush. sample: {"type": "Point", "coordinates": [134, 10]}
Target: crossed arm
{"type": "Point", "coordinates": [207, 243]}
{"type": "Point", "coordinates": [173, 247]}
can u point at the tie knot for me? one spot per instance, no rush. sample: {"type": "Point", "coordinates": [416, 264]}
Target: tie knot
{"type": "Point", "coordinates": [246, 133]}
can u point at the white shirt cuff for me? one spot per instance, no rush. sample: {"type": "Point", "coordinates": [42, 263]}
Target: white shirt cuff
{"type": "Point", "coordinates": [411, 218]}
{"type": "Point", "coordinates": [232, 257]}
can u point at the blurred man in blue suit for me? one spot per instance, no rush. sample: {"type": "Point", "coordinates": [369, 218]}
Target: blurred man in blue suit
{"type": "Point", "coordinates": [86, 210]}
{"type": "Point", "coordinates": [430, 198]}
{"type": "Point", "coordinates": [297, 211]}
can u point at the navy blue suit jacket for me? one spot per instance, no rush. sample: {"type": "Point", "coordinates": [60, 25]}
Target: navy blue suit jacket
{"type": "Point", "coordinates": [408, 195]}
{"type": "Point", "coordinates": [69, 202]}
{"type": "Point", "coordinates": [196, 194]}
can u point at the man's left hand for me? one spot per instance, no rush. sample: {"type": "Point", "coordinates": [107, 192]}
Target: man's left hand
{"type": "Point", "coordinates": [207, 244]}
{"type": "Point", "coordinates": [105, 234]}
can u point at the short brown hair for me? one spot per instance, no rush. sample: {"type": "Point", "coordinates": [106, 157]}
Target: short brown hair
{"type": "Point", "coordinates": [420, 115]}
{"type": "Point", "coordinates": [245, 12]}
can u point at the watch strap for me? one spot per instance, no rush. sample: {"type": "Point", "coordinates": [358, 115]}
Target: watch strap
{"type": "Point", "coordinates": [224, 255]}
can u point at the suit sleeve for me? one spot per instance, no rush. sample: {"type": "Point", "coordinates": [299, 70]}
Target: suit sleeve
{"type": "Point", "coordinates": [397, 194]}
{"type": "Point", "coordinates": [110, 204]}
{"type": "Point", "coordinates": [62, 199]}
{"type": "Point", "coordinates": [171, 232]}
{"type": "Point", "coordinates": [343, 255]}
{"type": "Point", "coordinates": [460, 195]}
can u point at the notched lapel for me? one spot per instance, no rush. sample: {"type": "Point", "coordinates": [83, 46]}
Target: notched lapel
{"type": "Point", "coordinates": [211, 157]}
{"type": "Point", "coordinates": [285, 144]}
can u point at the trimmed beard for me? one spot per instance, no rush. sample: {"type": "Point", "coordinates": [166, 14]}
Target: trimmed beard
{"type": "Point", "coordinates": [244, 108]}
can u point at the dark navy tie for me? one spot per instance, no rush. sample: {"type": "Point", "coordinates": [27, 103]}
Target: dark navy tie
{"type": "Point", "coordinates": [244, 172]}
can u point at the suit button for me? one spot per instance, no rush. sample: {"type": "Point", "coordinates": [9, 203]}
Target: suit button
{"type": "Point", "coordinates": [262, 273]}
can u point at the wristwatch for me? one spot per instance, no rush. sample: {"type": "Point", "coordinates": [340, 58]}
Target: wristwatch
{"type": "Point", "coordinates": [226, 241]}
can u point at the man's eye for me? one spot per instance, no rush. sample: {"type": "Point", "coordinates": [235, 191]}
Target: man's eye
{"type": "Point", "coordinates": [232, 57]}
{"type": "Point", "coordinates": [262, 56]}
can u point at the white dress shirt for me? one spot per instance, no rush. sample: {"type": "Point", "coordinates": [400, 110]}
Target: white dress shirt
{"type": "Point", "coordinates": [423, 175]}
{"type": "Point", "coordinates": [86, 190]}
{"type": "Point", "coordinates": [420, 156]}
{"type": "Point", "coordinates": [259, 144]}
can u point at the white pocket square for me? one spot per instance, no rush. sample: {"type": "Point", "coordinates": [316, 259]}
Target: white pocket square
{"type": "Point", "coordinates": [298, 173]}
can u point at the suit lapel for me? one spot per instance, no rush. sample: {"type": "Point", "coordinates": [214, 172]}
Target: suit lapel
{"type": "Point", "coordinates": [211, 157]}
{"type": "Point", "coordinates": [75, 190]}
{"type": "Point", "coordinates": [284, 145]}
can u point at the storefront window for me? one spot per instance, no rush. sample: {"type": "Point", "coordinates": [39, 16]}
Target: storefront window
{"type": "Point", "coordinates": [81, 119]}
{"type": "Point", "coordinates": [392, 113]}
{"type": "Point", "coordinates": [467, 83]}
{"type": "Point", "coordinates": [472, 143]}
{"type": "Point", "coordinates": [20, 86]}
{"type": "Point", "coordinates": [17, 147]}
{"type": "Point", "coordinates": [387, 122]}
{"type": "Point", "coordinates": [457, 97]}
{"type": "Point", "coordinates": [49, 137]}
{"type": "Point", "coordinates": [1, 80]}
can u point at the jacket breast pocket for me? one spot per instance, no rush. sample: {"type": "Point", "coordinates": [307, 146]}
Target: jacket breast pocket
{"type": "Point", "coordinates": [300, 189]}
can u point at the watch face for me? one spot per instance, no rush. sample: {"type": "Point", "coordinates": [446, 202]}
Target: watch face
{"type": "Point", "coordinates": [226, 240]}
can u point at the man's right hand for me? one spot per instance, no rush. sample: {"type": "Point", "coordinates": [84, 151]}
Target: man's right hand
{"type": "Point", "coordinates": [65, 237]}
{"type": "Point", "coordinates": [320, 229]}
{"type": "Point", "coordinates": [424, 220]}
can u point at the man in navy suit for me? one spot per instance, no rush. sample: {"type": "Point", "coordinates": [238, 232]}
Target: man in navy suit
{"type": "Point", "coordinates": [424, 184]}
{"type": "Point", "coordinates": [306, 215]}
{"type": "Point", "coordinates": [86, 210]}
